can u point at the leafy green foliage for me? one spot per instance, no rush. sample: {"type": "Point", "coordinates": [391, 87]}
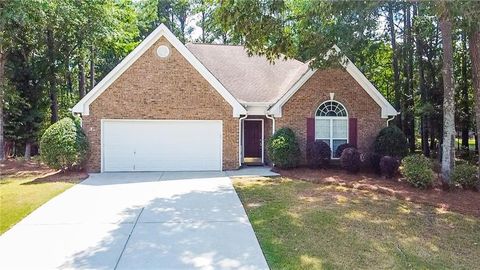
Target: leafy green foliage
{"type": "Point", "coordinates": [64, 145]}
{"type": "Point", "coordinates": [318, 154]}
{"type": "Point", "coordinates": [466, 175]}
{"type": "Point", "coordinates": [417, 170]}
{"type": "Point", "coordinates": [391, 141]}
{"type": "Point", "coordinates": [350, 160]}
{"type": "Point", "coordinates": [283, 149]}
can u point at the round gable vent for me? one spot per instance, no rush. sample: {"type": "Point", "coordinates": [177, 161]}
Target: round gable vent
{"type": "Point", "coordinates": [163, 51]}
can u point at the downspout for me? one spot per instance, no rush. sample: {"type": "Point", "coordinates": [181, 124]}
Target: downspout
{"type": "Point", "coordinates": [273, 122]}
{"type": "Point", "coordinates": [240, 148]}
{"type": "Point", "coordinates": [390, 119]}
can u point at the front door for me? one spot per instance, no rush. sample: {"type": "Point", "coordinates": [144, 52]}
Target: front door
{"type": "Point", "coordinates": [253, 140]}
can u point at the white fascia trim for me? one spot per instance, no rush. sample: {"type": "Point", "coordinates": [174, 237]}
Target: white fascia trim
{"type": "Point", "coordinates": [387, 108]}
{"type": "Point", "coordinates": [83, 105]}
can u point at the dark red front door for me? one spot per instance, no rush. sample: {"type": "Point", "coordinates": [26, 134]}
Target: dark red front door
{"type": "Point", "coordinates": [252, 138]}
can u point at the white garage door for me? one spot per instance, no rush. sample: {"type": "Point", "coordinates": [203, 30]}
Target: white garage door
{"type": "Point", "coordinates": [161, 145]}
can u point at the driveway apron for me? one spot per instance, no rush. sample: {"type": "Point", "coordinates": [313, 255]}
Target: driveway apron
{"type": "Point", "coordinates": [170, 220]}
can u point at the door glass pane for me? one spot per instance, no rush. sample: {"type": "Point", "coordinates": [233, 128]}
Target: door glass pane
{"type": "Point", "coordinates": [336, 143]}
{"type": "Point", "coordinates": [322, 128]}
{"type": "Point", "coordinates": [340, 128]}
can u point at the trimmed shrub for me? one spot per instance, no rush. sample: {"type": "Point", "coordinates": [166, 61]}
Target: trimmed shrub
{"type": "Point", "coordinates": [389, 166]}
{"type": "Point", "coordinates": [391, 141]}
{"type": "Point", "coordinates": [342, 147]}
{"type": "Point", "coordinates": [283, 149]}
{"type": "Point", "coordinates": [64, 145]}
{"type": "Point", "coordinates": [417, 170]}
{"type": "Point", "coordinates": [318, 154]}
{"type": "Point", "coordinates": [371, 160]}
{"type": "Point", "coordinates": [466, 176]}
{"type": "Point", "coordinates": [350, 160]}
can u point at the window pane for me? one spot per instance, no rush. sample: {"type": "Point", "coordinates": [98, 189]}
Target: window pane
{"type": "Point", "coordinates": [327, 142]}
{"type": "Point", "coordinates": [322, 128]}
{"type": "Point", "coordinates": [340, 128]}
{"type": "Point", "coordinates": [336, 143]}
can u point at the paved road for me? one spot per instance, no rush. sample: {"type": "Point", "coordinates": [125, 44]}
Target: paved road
{"type": "Point", "coordinates": [171, 220]}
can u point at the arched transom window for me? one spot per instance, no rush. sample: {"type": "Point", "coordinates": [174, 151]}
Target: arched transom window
{"type": "Point", "coordinates": [331, 124]}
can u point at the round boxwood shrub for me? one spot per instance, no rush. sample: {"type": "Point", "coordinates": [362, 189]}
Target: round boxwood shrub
{"type": "Point", "coordinates": [417, 170]}
{"type": "Point", "coordinates": [64, 145]}
{"type": "Point", "coordinates": [350, 160]}
{"type": "Point", "coordinates": [318, 154]}
{"type": "Point", "coordinates": [342, 147]}
{"type": "Point", "coordinates": [283, 149]}
{"type": "Point", "coordinates": [391, 141]}
{"type": "Point", "coordinates": [466, 176]}
{"type": "Point", "coordinates": [389, 166]}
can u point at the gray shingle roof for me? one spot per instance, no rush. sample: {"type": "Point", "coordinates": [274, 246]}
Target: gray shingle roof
{"type": "Point", "coordinates": [248, 78]}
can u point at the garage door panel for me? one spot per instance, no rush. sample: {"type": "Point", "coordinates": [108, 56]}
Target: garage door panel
{"type": "Point", "coordinates": [161, 145]}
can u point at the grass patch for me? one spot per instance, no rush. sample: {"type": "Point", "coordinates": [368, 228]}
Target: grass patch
{"type": "Point", "coordinates": [21, 194]}
{"type": "Point", "coordinates": [301, 225]}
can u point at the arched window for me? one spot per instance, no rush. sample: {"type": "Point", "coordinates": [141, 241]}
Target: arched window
{"type": "Point", "coordinates": [331, 124]}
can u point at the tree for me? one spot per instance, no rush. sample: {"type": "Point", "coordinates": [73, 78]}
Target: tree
{"type": "Point", "coordinates": [475, 55]}
{"type": "Point", "coordinates": [419, 44]}
{"type": "Point", "coordinates": [396, 70]}
{"type": "Point", "coordinates": [448, 147]}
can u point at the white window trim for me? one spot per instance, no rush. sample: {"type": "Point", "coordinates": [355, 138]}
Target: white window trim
{"type": "Point", "coordinates": [331, 118]}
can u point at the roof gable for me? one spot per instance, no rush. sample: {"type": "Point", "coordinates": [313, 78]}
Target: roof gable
{"type": "Point", "coordinates": [386, 108]}
{"type": "Point", "coordinates": [83, 105]}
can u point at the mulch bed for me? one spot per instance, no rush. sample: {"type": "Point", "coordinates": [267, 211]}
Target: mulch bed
{"type": "Point", "coordinates": [21, 168]}
{"type": "Point", "coordinates": [17, 167]}
{"type": "Point", "coordinates": [457, 200]}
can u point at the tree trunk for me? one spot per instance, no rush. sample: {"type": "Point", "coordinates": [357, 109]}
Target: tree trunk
{"type": "Point", "coordinates": [28, 151]}
{"type": "Point", "coordinates": [92, 66]}
{"type": "Point", "coordinates": [409, 122]}
{"type": "Point", "coordinates": [81, 78]}
{"type": "Point", "coordinates": [2, 75]}
{"type": "Point", "coordinates": [421, 85]}
{"type": "Point", "coordinates": [448, 147]}
{"type": "Point", "coordinates": [203, 14]}
{"type": "Point", "coordinates": [465, 101]}
{"type": "Point", "coordinates": [476, 145]}
{"type": "Point", "coordinates": [475, 56]}
{"type": "Point", "coordinates": [396, 71]}
{"type": "Point", "coordinates": [51, 77]}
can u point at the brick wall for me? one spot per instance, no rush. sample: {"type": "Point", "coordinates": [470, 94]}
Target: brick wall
{"type": "Point", "coordinates": [316, 90]}
{"type": "Point", "coordinates": [155, 88]}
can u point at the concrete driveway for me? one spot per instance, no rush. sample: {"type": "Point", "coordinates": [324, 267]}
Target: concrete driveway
{"type": "Point", "coordinates": [171, 220]}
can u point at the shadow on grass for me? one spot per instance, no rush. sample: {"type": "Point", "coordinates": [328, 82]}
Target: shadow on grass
{"type": "Point", "coordinates": [59, 176]}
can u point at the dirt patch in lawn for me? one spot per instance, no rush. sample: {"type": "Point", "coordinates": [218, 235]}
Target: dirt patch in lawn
{"type": "Point", "coordinates": [458, 200]}
{"type": "Point", "coordinates": [13, 168]}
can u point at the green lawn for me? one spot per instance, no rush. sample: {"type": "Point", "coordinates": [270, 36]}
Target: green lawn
{"type": "Point", "coordinates": [301, 225]}
{"type": "Point", "coordinates": [18, 197]}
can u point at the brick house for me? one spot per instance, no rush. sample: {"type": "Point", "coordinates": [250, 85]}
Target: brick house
{"type": "Point", "coordinates": [169, 107]}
